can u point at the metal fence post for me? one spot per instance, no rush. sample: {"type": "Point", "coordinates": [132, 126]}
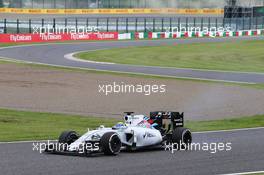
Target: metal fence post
{"type": "Point", "coordinates": [243, 23]}
{"type": "Point", "coordinates": [126, 25]}
{"type": "Point", "coordinates": [237, 24]}
{"type": "Point", "coordinates": [162, 24]}
{"type": "Point", "coordinates": [202, 23]}
{"type": "Point", "coordinates": [153, 28]}
{"type": "Point", "coordinates": [5, 29]}
{"type": "Point", "coordinates": [117, 24]}
{"type": "Point", "coordinates": [18, 26]}
{"type": "Point", "coordinates": [194, 21]}
{"type": "Point", "coordinates": [107, 24]}
{"type": "Point", "coordinates": [29, 26]}
{"type": "Point", "coordinates": [76, 24]}
{"type": "Point", "coordinates": [97, 23]}
{"type": "Point", "coordinates": [87, 22]}
{"type": "Point", "coordinates": [170, 24]}
{"type": "Point", "coordinates": [54, 24]}
{"type": "Point", "coordinates": [186, 25]}
{"type": "Point", "coordinates": [65, 22]}
{"type": "Point", "coordinates": [136, 24]}
{"type": "Point", "coordinates": [42, 25]}
{"type": "Point", "coordinates": [209, 23]}
{"type": "Point", "coordinates": [65, 25]}
{"type": "Point", "coordinates": [216, 23]}
{"type": "Point", "coordinates": [230, 21]}
{"type": "Point", "coordinates": [250, 23]}
{"type": "Point", "coordinates": [179, 24]}
{"type": "Point", "coordinates": [145, 25]}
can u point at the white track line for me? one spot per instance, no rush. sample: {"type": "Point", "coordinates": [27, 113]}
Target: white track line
{"type": "Point", "coordinates": [245, 173]}
{"type": "Point", "coordinates": [72, 58]}
{"type": "Point", "coordinates": [202, 132]}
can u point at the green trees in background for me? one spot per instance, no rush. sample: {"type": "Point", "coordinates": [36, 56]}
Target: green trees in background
{"type": "Point", "coordinates": [1, 3]}
{"type": "Point", "coordinates": [16, 3]}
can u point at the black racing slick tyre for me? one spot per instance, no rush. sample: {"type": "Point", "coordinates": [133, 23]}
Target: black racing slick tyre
{"type": "Point", "coordinates": [110, 143]}
{"type": "Point", "coordinates": [68, 137]}
{"type": "Point", "coordinates": [182, 137]}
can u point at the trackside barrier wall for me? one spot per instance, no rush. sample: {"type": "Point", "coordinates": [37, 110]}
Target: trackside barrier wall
{"type": "Point", "coordinates": [15, 38]}
{"type": "Point", "coordinates": [164, 35]}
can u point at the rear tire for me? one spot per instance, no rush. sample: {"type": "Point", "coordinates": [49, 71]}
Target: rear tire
{"type": "Point", "coordinates": [68, 137]}
{"type": "Point", "coordinates": [110, 143]}
{"type": "Point", "coordinates": [181, 136]}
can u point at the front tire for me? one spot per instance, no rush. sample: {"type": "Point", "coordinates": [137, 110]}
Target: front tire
{"type": "Point", "coordinates": [110, 143]}
{"type": "Point", "coordinates": [68, 137]}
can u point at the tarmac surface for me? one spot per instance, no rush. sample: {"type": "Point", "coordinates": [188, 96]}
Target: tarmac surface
{"type": "Point", "coordinates": [246, 155]}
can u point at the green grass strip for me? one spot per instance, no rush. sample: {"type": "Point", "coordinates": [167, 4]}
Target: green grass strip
{"type": "Point", "coordinates": [227, 56]}
{"type": "Point", "coordinates": [24, 125]}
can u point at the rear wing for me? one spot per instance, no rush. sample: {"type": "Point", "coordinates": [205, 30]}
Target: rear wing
{"type": "Point", "coordinates": [174, 119]}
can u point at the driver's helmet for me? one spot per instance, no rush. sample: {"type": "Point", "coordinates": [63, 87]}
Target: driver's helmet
{"type": "Point", "coordinates": [119, 125]}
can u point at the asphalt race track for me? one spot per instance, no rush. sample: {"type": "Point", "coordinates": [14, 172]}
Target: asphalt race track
{"type": "Point", "coordinates": [246, 156]}
{"type": "Point", "coordinates": [54, 54]}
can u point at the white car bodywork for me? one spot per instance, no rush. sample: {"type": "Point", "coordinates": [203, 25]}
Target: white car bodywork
{"type": "Point", "coordinates": [136, 132]}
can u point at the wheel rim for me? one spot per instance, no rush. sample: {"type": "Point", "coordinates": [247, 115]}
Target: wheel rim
{"type": "Point", "coordinates": [115, 144]}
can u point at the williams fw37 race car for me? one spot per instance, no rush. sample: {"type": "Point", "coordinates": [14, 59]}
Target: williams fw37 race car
{"type": "Point", "coordinates": [136, 132]}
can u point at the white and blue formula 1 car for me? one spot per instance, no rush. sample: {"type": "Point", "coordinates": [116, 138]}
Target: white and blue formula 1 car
{"type": "Point", "coordinates": [137, 132]}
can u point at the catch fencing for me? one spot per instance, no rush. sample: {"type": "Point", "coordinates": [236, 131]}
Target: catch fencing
{"type": "Point", "coordinates": [133, 24]}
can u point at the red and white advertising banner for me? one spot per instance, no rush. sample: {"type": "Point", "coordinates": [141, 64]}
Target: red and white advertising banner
{"type": "Point", "coordinates": [16, 38]}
